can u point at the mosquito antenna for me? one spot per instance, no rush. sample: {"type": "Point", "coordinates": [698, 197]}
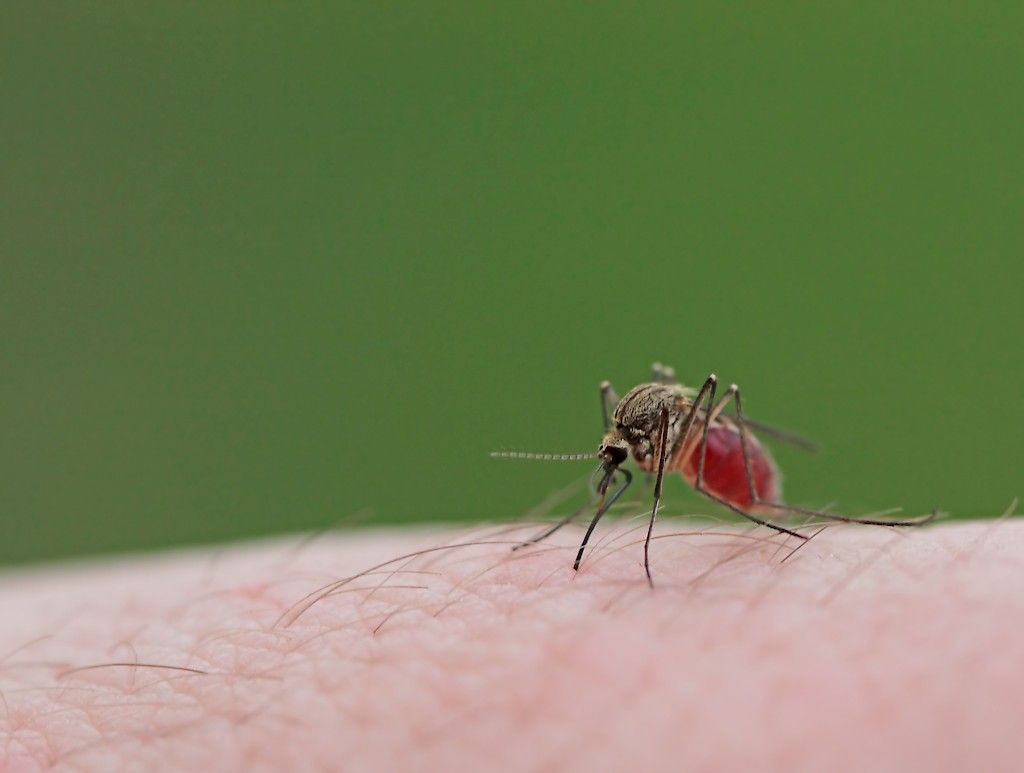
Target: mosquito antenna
{"type": "Point", "coordinates": [541, 457]}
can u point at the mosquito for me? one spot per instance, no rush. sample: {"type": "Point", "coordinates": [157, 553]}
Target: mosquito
{"type": "Point", "coordinates": [668, 427]}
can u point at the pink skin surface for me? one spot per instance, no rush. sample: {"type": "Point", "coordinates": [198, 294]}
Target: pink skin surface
{"type": "Point", "coordinates": [869, 649]}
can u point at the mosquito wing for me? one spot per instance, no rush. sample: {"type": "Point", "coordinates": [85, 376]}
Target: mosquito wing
{"type": "Point", "coordinates": [782, 436]}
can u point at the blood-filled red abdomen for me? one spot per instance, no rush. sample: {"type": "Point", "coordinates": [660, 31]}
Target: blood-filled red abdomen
{"type": "Point", "coordinates": [724, 474]}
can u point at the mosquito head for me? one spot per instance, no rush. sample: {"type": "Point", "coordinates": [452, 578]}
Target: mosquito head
{"type": "Point", "coordinates": [614, 450]}
{"type": "Point", "coordinates": [637, 417]}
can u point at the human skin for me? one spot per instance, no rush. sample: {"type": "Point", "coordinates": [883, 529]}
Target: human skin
{"type": "Point", "coordinates": [868, 649]}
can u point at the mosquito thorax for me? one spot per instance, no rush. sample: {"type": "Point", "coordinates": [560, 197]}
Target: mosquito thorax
{"type": "Point", "coordinates": [638, 414]}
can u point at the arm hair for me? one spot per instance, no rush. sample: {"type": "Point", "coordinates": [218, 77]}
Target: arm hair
{"type": "Point", "coordinates": [867, 649]}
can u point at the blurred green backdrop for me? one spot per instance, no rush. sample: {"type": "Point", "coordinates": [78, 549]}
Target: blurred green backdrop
{"type": "Point", "coordinates": [264, 265]}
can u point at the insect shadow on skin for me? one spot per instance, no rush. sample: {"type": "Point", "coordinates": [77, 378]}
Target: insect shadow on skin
{"type": "Point", "coordinates": [667, 427]}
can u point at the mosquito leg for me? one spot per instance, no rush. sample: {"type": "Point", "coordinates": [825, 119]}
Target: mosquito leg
{"type": "Point", "coordinates": [663, 452]}
{"type": "Point", "coordinates": [662, 374]}
{"type": "Point", "coordinates": [706, 394]}
{"type": "Point", "coordinates": [608, 402]}
{"type": "Point", "coordinates": [734, 394]}
{"type": "Point", "coordinates": [662, 456]}
{"type": "Point", "coordinates": [919, 521]}
{"type": "Point", "coordinates": [703, 449]}
{"type": "Point", "coordinates": [603, 508]}
{"type": "Point", "coordinates": [749, 516]}
{"type": "Point", "coordinates": [552, 529]}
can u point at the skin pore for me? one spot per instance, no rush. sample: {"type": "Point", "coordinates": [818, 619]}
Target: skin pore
{"type": "Point", "coordinates": [868, 648]}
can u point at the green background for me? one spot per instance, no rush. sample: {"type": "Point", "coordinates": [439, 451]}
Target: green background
{"type": "Point", "coordinates": [264, 265]}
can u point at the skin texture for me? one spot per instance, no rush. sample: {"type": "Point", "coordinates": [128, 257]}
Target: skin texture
{"type": "Point", "coordinates": [869, 649]}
